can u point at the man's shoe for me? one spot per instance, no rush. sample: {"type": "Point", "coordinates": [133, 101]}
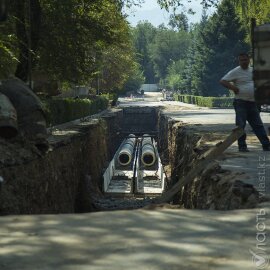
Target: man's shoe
{"type": "Point", "coordinates": [243, 149]}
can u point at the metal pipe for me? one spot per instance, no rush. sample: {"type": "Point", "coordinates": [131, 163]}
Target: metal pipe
{"type": "Point", "coordinates": [8, 118]}
{"type": "Point", "coordinates": [126, 152]}
{"type": "Point", "coordinates": [148, 156]}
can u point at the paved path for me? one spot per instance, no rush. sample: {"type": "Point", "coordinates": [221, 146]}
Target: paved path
{"type": "Point", "coordinates": [139, 239]}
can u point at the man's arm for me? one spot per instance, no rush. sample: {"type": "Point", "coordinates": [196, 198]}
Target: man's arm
{"type": "Point", "coordinates": [229, 86]}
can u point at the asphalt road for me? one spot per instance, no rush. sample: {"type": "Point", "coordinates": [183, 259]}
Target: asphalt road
{"type": "Point", "coordinates": [188, 112]}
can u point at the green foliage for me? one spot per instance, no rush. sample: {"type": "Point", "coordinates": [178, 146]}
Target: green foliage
{"type": "Point", "coordinates": [8, 48]}
{"type": "Point", "coordinates": [257, 9]}
{"type": "Point", "coordinates": [73, 41]}
{"type": "Point", "coordinates": [88, 42]}
{"type": "Point", "coordinates": [8, 59]}
{"type": "Point", "coordinates": [143, 35]}
{"type": "Point", "coordinates": [158, 48]}
{"type": "Point", "coordinates": [179, 21]}
{"type": "Point", "coordinates": [118, 67]}
{"type": "Point", "coordinates": [134, 81]}
{"type": "Point", "coordinates": [68, 109]}
{"type": "Point", "coordinates": [111, 97]}
{"type": "Point", "coordinates": [220, 102]}
{"type": "Point", "coordinates": [82, 40]}
{"type": "Point", "coordinates": [175, 74]}
{"type": "Point", "coordinates": [168, 46]}
{"type": "Point", "coordinates": [217, 42]}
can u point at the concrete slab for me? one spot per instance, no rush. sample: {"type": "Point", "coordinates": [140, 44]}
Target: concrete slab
{"type": "Point", "coordinates": [139, 239]}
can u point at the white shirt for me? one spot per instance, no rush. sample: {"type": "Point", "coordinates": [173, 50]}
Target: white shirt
{"type": "Point", "coordinates": [242, 79]}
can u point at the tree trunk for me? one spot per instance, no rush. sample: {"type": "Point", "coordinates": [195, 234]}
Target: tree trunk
{"type": "Point", "coordinates": [22, 67]}
{"type": "Point", "coordinates": [27, 31]}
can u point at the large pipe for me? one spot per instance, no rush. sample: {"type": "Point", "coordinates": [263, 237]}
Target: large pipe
{"type": "Point", "coordinates": [126, 151]}
{"type": "Point", "coordinates": [148, 156]}
{"type": "Point", "coordinates": [8, 118]}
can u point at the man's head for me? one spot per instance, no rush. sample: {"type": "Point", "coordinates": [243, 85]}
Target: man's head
{"type": "Point", "coordinates": [243, 60]}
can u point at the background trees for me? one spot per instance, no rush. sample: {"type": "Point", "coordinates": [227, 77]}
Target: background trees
{"type": "Point", "coordinates": [168, 47]}
{"type": "Point", "coordinates": [193, 59]}
{"type": "Point", "coordinates": [73, 41]}
{"type": "Point", "coordinates": [79, 38]}
{"type": "Point", "coordinates": [143, 35]}
{"type": "Point", "coordinates": [219, 40]}
{"type": "Point", "coordinates": [90, 42]}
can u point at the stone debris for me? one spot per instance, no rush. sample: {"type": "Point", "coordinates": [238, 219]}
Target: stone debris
{"type": "Point", "coordinates": [17, 151]}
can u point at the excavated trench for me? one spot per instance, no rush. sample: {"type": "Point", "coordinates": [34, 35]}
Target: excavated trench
{"type": "Point", "coordinates": [68, 178]}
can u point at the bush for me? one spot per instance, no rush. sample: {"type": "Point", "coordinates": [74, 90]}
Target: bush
{"type": "Point", "coordinates": [112, 97]}
{"type": "Point", "coordinates": [211, 102]}
{"type": "Point", "coordinates": [61, 110]}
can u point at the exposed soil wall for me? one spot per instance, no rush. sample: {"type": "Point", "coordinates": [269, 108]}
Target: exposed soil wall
{"type": "Point", "coordinates": [61, 180]}
{"type": "Point", "coordinates": [140, 120]}
{"type": "Point", "coordinates": [181, 146]}
{"type": "Point", "coordinates": [114, 122]}
{"type": "Point", "coordinates": [35, 183]}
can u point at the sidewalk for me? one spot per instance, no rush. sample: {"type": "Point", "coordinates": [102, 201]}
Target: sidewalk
{"type": "Point", "coordinates": [127, 240]}
{"type": "Point", "coordinates": [254, 165]}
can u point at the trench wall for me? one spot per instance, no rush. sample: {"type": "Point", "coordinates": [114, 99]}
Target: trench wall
{"type": "Point", "coordinates": [35, 183]}
{"type": "Point", "coordinates": [140, 120]}
{"type": "Point", "coordinates": [55, 182]}
{"type": "Point", "coordinates": [181, 146]}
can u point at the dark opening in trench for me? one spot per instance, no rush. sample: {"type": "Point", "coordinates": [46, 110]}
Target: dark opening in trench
{"type": "Point", "coordinates": [148, 159]}
{"type": "Point", "coordinates": [124, 159]}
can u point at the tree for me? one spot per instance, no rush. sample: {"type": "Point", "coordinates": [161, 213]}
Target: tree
{"type": "Point", "coordinates": [65, 39]}
{"type": "Point", "coordinates": [258, 9]}
{"type": "Point", "coordinates": [175, 74]}
{"type": "Point", "coordinates": [118, 67]}
{"type": "Point", "coordinates": [179, 22]}
{"type": "Point", "coordinates": [143, 36]}
{"type": "Point", "coordinates": [218, 44]}
{"type": "Point", "coordinates": [25, 16]}
{"type": "Point", "coordinates": [192, 62]}
{"type": "Point", "coordinates": [168, 46]}
{"type": "Point", "coordinates": [77, 34]}
{"type": "Point", "coordinates": [249, 9]}
{"type": "Point", "coordinates": [8, 56]}
{"type": "Point", "coordinates": [135, 80]}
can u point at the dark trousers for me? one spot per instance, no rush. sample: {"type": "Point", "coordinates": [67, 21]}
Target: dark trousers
{"type": "Point", "coordinates": [248, 111]}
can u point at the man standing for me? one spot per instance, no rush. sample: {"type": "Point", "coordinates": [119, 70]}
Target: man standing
{"type": "Point", "coordinates": [239, 80]}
